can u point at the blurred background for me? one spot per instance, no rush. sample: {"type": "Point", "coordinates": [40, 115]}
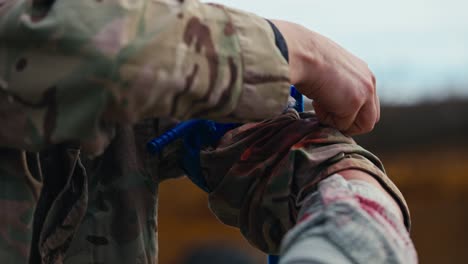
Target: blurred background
{"type": "Point", "coordinates": [418, 50]}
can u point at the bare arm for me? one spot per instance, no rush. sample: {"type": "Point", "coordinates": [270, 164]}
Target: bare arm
{"type": "Point", "coordinates": [342, 86]}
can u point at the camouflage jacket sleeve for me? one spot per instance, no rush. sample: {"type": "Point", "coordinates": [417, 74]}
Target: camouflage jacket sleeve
{"type": "Point", "coordinates": [70, 70]}
{"type": "Point", "coordinates": [260, 173]}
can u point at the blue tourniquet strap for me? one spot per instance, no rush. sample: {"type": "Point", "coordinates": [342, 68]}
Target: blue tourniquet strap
{"type": "Point", "coordinates": [273, 259]}
{"type": "Point", "coordinates": [299, 105]}
{"type": "Point", "coordinates": [208, 133]}
{"type": "Point", "coordinates": [198, 134]}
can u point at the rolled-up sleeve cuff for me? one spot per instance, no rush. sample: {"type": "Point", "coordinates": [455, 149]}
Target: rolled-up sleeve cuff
{"type": "Point", "coordinates": [280, 41]}
{"type": "Point", "coordinates": [265, 69]}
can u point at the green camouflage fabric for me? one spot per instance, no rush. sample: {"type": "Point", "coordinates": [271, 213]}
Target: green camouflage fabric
{"type": "Point", "coordinates": [75, 76]}
{"type": "Point", "coordinates": [105, 208]}
{"type": "Point", "coordinates": [72, 70]}
{"type": "Point", "coordinates": [90, 210]}
{"type": "Point", "coordinates": [17, 204]}
{"type": "Point", "coordinates": [85, 84]}
{"type": "Point", "coordinates": [260, 173]}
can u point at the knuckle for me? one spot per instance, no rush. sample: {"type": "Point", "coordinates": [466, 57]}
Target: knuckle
{"type": "Point", "coordinates": [364, 128]}
{"type": "Point", "coordinates": [356, 100]}
{"type": "Point", "coordinates": [369, 86]}
{"type": "Point", "coordinates": [374, 80]}
{"type": "Point", "coordinates": [370, 126]}
{"type": "Point", "coordinates": [377, 119]}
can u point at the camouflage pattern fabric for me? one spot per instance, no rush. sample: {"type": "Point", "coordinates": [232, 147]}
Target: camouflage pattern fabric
{"type": "Point", "coordinates": [90, 210]}
{"type": "Point", "coordinates": [260, 173]}
{"type": "Point", "coordinates": [120, 222]}
{"type": "Point", "coordinates": [75, 76]}
{"type": "Point", "coordinates": [73, 70]}
{"type": "Point", "coordinates": [17, 204]}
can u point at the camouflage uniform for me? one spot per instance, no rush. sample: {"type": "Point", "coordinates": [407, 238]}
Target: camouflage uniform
{"type": "Point", "coordinates": [260, 173]}
{"type": "Point", "coordinates": [83, 81]}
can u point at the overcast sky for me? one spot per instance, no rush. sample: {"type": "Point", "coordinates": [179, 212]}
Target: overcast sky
{"type": "Point", "coordinates": [417, 48]}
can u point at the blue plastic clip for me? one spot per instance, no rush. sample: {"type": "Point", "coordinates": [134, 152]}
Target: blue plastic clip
{"type": "Point", "coordinates": [299, 105]}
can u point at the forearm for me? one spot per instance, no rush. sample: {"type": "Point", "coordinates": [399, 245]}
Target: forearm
{"type": "Point", "coordinates": [348, 221]}
{"type": "Point", "coordinates": [260, 174]}
{"type": "Point", "coordinates": [360, 175]}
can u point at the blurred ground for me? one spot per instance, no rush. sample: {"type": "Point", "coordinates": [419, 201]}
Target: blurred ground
{"type": "Point", "coordinates": [424, 149]}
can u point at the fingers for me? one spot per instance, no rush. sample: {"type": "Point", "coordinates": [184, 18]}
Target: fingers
{"type": "Point", "coordinates": [376, 99]}
{"type": "Point", "coordinates": [342, 85]}
{"type": "Point", "coordinates": [365, 120]}
{"type": "Point", "coordinates": [369, 112]}
{"type": "Point", "coordinates": [323, 116]}
{"type": "Point", "coordinates": [342, 123]}
{"type": "Point", "coordinates": [360, 120]}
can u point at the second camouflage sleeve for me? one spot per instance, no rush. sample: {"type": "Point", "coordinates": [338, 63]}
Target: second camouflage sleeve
{"type": "Point", "coordinates": [260, 173]}
{"type": "Point", "coordinates": [70, 69]}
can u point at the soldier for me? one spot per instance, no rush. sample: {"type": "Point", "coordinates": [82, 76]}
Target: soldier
{"type": "Point", "coordinates": [85, 84]}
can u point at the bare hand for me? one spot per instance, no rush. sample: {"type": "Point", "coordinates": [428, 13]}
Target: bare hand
{"type": "Point", "coordinates": [342, 86]}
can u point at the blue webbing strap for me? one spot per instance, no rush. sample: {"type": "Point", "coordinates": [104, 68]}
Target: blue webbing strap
{"type": "Point", "coordinates": [199, 126]}
{"type": "Point", "coordinates": [196, 134]}
{"type": "Point", "coordinates": [273, 259]}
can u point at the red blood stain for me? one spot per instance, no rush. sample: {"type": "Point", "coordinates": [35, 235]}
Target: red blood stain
{"type": "Point", "coordinates": [373, 209]}
{"type": "Point", "coordinates": [246, 155]}
{"type": "Point", "coordinates": [304, 218]}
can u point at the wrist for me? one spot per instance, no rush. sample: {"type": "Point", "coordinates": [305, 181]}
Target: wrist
{"type": "Point", "coordinates": [303, 53]}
